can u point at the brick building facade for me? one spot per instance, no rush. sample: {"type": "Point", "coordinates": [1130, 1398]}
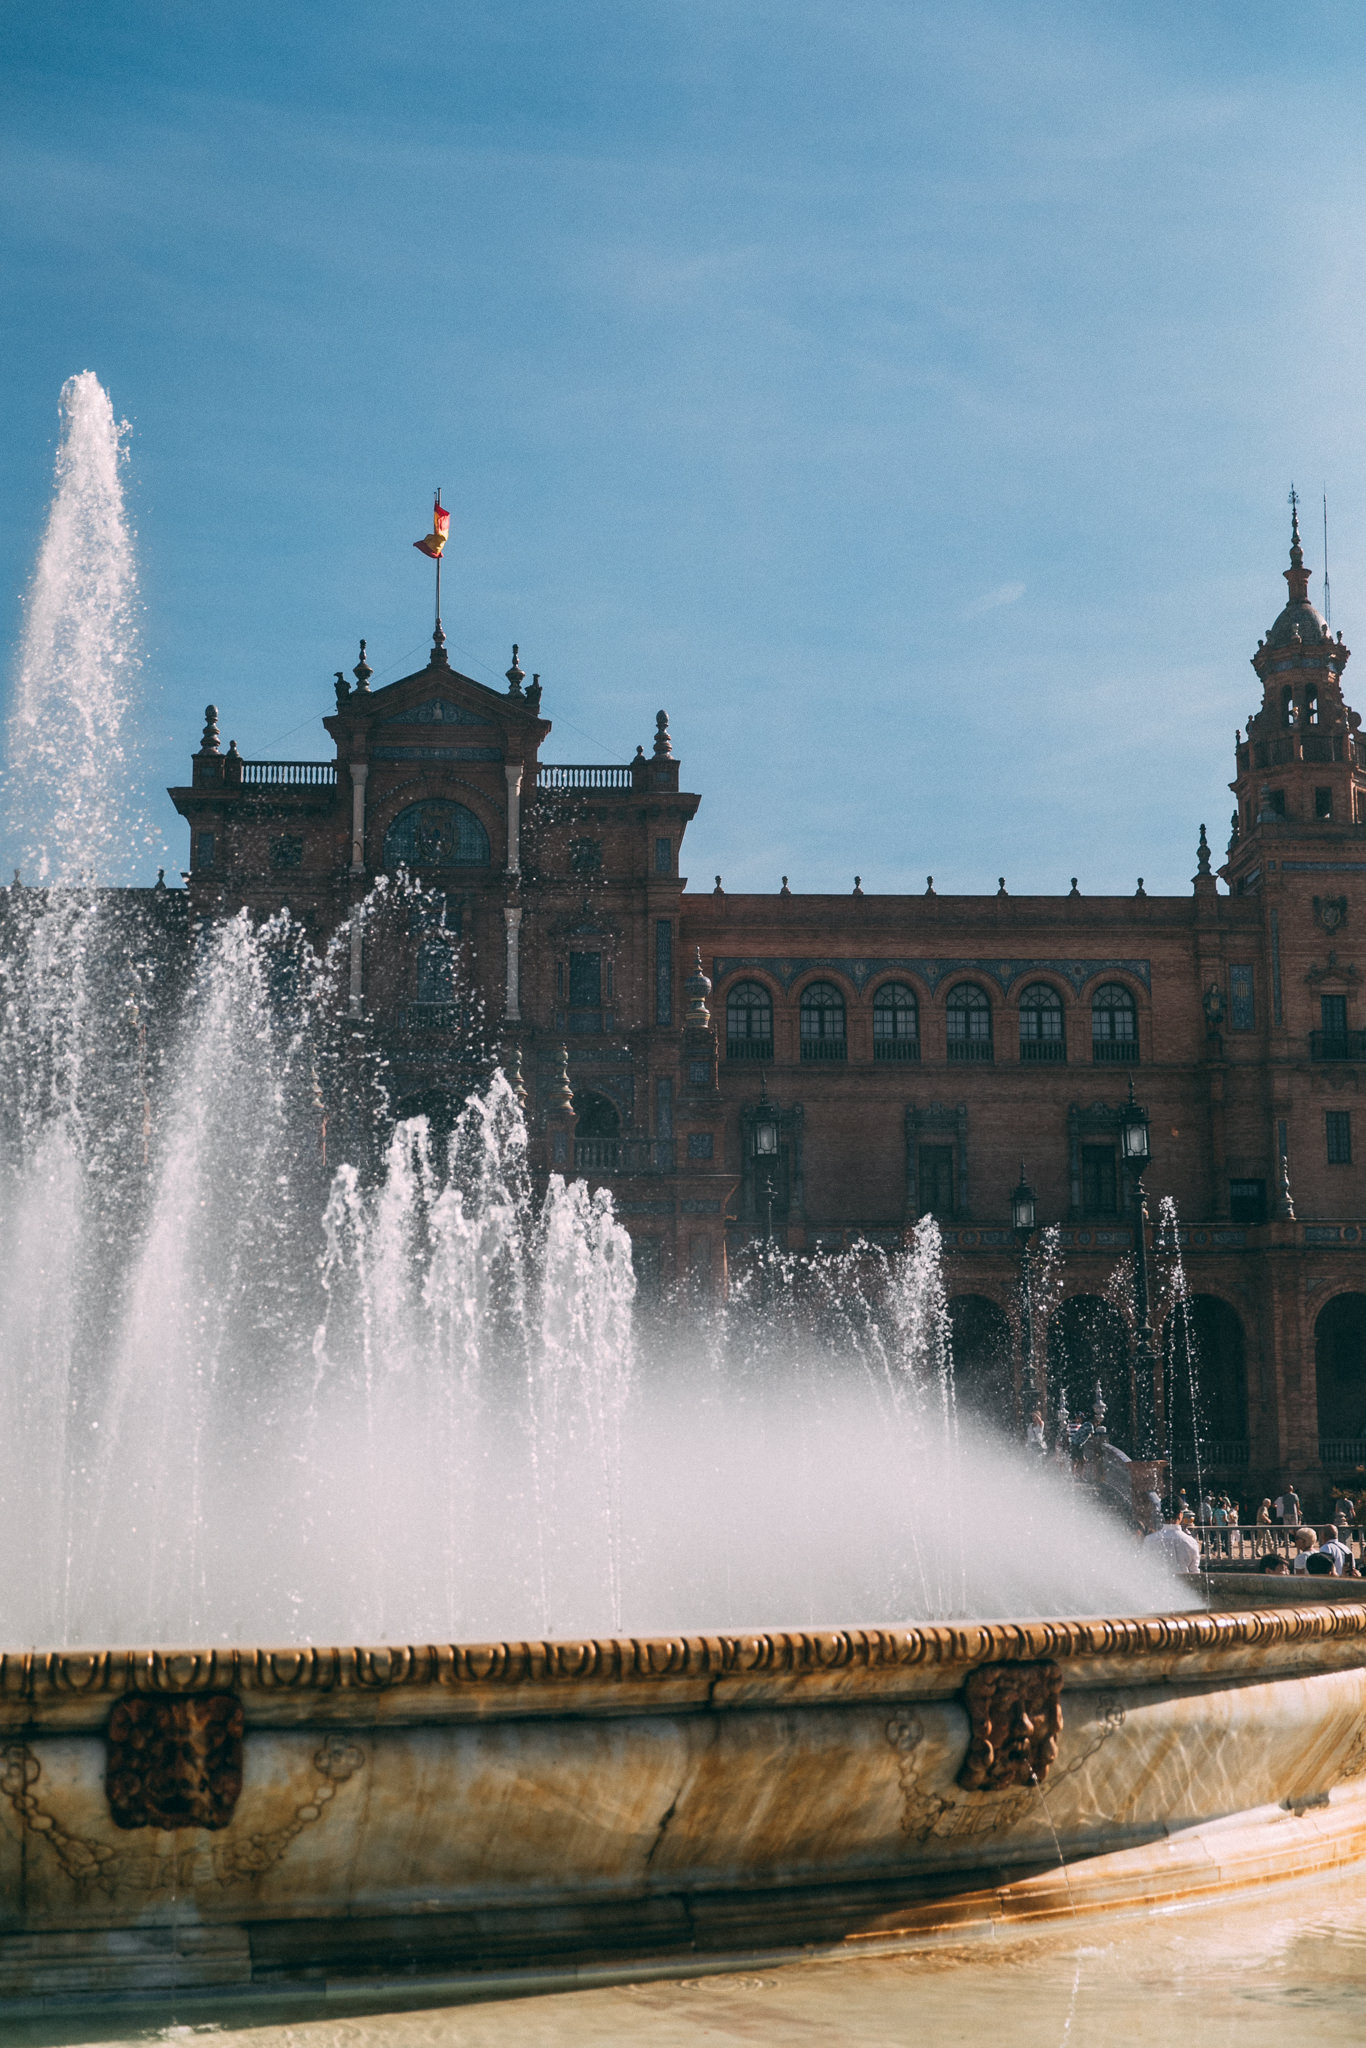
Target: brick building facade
{"type": "Point", "coordinates": [908, 1051]}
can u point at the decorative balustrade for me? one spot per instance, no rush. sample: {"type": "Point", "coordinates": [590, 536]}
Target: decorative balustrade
{"type": "Point", "coordinates": [623, 1155]}
{"type": "Point", "coordinates": [1247, 1543]}
{"type": "Point", "coordinates": [1342, 1450]}
{"type": "Point", "coordinates": [581, 775]}
{"type": "Point", "coordinates": [290, 774]}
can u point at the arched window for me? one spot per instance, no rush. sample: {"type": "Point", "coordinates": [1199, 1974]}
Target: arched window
{"type": "Point", "coordinates": [435, 972]}
{"type": "Point", "coordinates": [749, 1022]}
{"type": "Point", "coordinates": [1287, 705]}
{"type": "Point", "coordinates": [1114, 1024]}
{"type": "Point", "coordinates": [597, 1133]}
{"type": "Point", "coordinates": [983, 1368]}
{"type": "Point", "coordinates": [1041, 1023]}
{"type": "Point", "coordinates": [1206, 1382]}
{"type": "Point", "coordinates": [1340, 1362]}
{"type": "Point", "coordinates": [969, 1023]}
{"type": "Point", "coordinates": [896, 1023]}
{"type": "Point", "coordinates": [822, 1022]}
{"type": "Point", "coordinates": [1311, 705]}
{"type": "Point", "coordinates": [436, 834]}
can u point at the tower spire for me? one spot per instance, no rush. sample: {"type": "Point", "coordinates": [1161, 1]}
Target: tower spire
{"type": "Point", "coordinates": [1297, 576]}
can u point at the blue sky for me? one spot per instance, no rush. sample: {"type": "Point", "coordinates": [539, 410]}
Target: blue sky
{"type": "Point", "coordinates": [905, 396]}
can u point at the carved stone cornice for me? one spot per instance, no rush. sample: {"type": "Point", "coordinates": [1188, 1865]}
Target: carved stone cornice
{"type": "Point", "coordinates": [36, 1679]}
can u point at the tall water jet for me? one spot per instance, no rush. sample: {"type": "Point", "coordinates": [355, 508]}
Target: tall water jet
{"type": "Point", "coordinates": [67, 758]}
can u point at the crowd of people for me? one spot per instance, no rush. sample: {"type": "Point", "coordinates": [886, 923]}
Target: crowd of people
{"type": "Point", "coordinates": [1278, 1542]}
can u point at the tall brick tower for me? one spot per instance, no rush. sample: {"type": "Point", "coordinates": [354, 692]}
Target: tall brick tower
{"type": "Point", "coordinates": [1301, 769]}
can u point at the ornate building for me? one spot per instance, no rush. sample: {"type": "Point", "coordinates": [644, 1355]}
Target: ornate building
{"type": "Point", "coordinates": [825, 1069]}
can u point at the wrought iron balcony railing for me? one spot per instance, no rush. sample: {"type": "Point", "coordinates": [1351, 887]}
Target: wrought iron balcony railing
{"type": "Point", "coordinates": [970, 1049]}
{"type": "Point", "coordinates": [825, 1049]}
{"type": "Point", "coordinates": [1115, 1052]}
{"type": "Point", "coordinates": [1337, 1045]}
{"type": "Point", "coordinates": [896, 1048]}
{"type": "Point", "coordinates": [1048, 1049]}
{"type": "Point", "coordinates": [749, 1048]}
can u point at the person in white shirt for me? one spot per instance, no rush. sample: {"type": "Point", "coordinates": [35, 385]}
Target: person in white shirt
{"type": "Point", "coordinates": [1175, 1545]}
{"type": "Point", "coordinates": [1305, 1541]}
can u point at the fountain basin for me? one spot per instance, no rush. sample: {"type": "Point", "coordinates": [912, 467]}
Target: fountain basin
{"type": "Point", "coordinates": [669, 1803]}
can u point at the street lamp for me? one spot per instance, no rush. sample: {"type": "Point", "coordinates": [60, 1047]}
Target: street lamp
{"type": "Point", "coordinates": [1023, 1211]}
{"type": "Point", "coordinates": [1145, 1378]}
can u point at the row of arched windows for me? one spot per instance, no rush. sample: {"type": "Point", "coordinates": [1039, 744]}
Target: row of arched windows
{"type": "Point", "coordinates": [822, 1022]}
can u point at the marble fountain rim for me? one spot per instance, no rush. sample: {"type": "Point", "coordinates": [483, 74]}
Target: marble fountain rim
{"type": "Point", "coordinates": [631, 1674]}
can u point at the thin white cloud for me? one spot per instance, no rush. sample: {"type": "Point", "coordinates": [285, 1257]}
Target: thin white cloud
{"type": "Point", "coordinates": [1004, 593]}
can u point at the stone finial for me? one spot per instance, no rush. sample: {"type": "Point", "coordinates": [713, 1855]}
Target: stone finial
{"type": "Point", "coordinates": [560, 1098]}
{"type": "Point", "coordinates": [784, 891]}
{"type": "Point", "coordinates": [1285, 1205]}
{"type": "Point", "coordinates": [929, 885]}
{"type": "Point", "coordinates": [1140, 890]}
{"type": "Point", "coordinates": [858, 885]}
{"type": "Point", "coordinates": [1074, 890]}
{"type": "Point", "coordinates": [663, 744]}
{"type": "Point", "coordinates": [1233, 830]}
{"type": "Point", "coordinates": [233, 754]}
{"type": "Point", "coordinates": [1202, 854]}
{"type": "Point", "coordinates": [516, 675]}
{"type": "Point", "coordinates": [639, 755]}
{"type": "Point", "coordinates": [362, 671]}
{"type": "Point", "coordinates": [342, 688]}
{"type": "Point", "coordinates": [161, 881]}
{"type": "Point", "coordinates": [209, 743]}
{"type": "Point", "coordinates": [514, 1075]}
{"type": "Point", "coordinates": [697, 988]}
{"type": "Point", "coordinates": [1001, 889]}
{"type": "Point", "coordinates": [533, 695]}
{"type": "Point", "coordinates": [718, 890]}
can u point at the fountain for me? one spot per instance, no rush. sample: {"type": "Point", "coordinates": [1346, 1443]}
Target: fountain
{"type": "Point", "coordinates": [635, 1647]}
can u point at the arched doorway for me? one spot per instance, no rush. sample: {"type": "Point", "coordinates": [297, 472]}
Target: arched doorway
{"type": "Point", "coordinates": [1206, 1380]}
{"type": "Point", "coordinates": [983, 1366]}
{"type": "Point", "coordinates": [1088, 1342]}
{"type": "Point", "coordinates": [1340, 1357]}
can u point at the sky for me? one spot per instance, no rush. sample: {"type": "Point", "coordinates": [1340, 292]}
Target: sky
{"type": "Point", "coordinates": [904, 396]}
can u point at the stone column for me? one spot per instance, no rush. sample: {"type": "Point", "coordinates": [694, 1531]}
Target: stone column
{"type": "Point", "coordinates": [354, 1005]}
{"type": "Point", "coordinates": [513, 772]}
{"type": "Point", "coordinates": [512, 918]}
{"type": "Point", "coordinates": [359, 771]}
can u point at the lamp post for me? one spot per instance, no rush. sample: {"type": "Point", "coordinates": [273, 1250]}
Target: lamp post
{"type": "Point", "coordinates": [1022, 1218]}
{"type": "Point", "coordinates": [1145, 1377]}
{"type": "Point", "coordinates": [766, 1152]}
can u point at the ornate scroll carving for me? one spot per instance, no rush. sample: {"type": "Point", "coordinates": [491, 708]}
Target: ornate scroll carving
{"type": "Point", "coordinates": [1016, 1716]}
{"type": "Point", "coordinates": [47, 1679]}
{"type": "Point", "coordinates": [174, 1763]}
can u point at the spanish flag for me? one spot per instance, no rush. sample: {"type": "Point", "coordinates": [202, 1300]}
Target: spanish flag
{"type": "Point", "coordinates": [433, 543]}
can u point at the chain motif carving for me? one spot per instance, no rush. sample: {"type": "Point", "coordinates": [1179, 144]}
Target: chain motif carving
{"type": "Point", "coordinates": [103, 1866]}
{"type": "Point", "coordinates": [952, 1817]}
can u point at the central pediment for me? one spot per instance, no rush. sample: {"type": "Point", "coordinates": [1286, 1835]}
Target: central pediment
{"type": "Point", "coordinates": [434, 711]}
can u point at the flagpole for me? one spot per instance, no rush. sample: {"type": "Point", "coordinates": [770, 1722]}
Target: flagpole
{"type": "Point", "coordinates": [438, 637]}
